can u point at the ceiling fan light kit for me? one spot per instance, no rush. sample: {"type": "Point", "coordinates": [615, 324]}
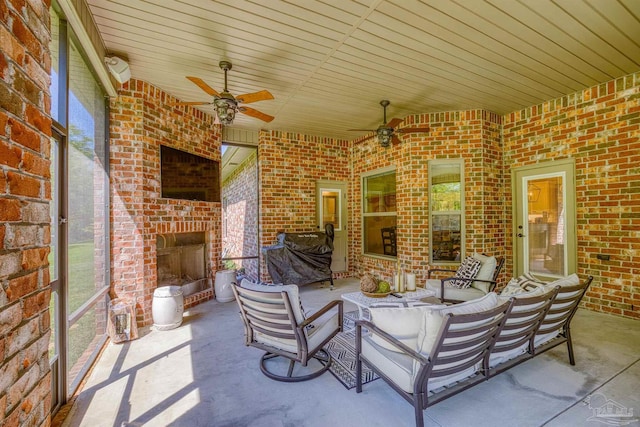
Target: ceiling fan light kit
{"type": "Point", "coordinates": [386, 132]}
{"type": "Point", "coordinates": [225, 104]}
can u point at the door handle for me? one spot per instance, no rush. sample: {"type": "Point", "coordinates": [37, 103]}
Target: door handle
{"type": "Point", "coordinates": [520, 235]}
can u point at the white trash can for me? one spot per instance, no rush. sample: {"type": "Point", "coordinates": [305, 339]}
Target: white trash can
{"type": "Point", "coordinates": [167, 307]}
{"type": "Point", "coordinates": [225, 279]}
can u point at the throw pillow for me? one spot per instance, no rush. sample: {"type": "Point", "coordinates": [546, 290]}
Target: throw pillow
{"type": "Point", "coordinates": [486, 271]}
{"type": "Point", "coordinates": [468, 269]}
{"type": "Point", "coordinates": [523, 284]}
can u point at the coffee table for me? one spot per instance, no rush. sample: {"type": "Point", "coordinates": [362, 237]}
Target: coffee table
{"type": "Point", "coordinates": [363, 302]}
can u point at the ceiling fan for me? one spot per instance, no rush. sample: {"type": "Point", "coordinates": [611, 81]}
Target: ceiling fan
{"type": "Point", "coordinates": [226, 104]}
{"type": "Point", "coordinates": [386, 132]}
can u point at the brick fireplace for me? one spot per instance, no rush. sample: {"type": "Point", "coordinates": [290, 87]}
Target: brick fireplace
{"type": "Point", "coordinates": [141, 121]}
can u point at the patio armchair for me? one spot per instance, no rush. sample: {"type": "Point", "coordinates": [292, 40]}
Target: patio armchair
{"type": "Point", "coordinates": [469, 288]}
{"type": "Point", "coordinates": [275, 322]}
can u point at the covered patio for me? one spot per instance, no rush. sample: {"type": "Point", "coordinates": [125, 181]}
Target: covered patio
{"type": "Point", "coordinates": [201, 374]}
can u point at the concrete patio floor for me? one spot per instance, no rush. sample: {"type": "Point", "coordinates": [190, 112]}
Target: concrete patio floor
{"type": "Point", "coordinates": [202, 374]}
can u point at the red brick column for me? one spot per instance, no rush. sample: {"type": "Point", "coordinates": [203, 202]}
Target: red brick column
{"type": "Point", "coordinates": [25, 192]}
{"type": "Point", "coordinates": [142, 120]}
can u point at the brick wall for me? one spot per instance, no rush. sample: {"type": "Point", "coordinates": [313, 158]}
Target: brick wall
{"type": "Point", "coordinates": [25, 192]}
{"type": "Point", "coordinates": [600, 128]}
{"type": "Point", "coordinates": [141, 120]}
{"type": "Point", "coordinates": [240, 227]}
{"type": "Point", "coordinates": [471, 135]}
{"type": "Point", "coordinates": [289, 165]}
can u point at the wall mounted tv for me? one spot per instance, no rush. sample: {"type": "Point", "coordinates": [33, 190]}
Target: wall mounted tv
{"type": "Point", "coordinates": [188, 176]}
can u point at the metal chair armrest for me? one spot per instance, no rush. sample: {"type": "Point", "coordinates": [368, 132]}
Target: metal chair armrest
{"type": "Point", "coordinates": [315, 316]}
{"type": "Point", "coordinates": [441, 270]}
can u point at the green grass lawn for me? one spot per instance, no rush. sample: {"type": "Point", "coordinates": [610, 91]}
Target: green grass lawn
{"type": "Point", "coordinates": [81, 287]}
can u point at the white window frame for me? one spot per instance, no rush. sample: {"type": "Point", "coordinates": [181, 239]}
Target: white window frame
{"type": "Point", "coordinates": [363, 179]}
{"type": "Point", "coordinates": [461, 212]}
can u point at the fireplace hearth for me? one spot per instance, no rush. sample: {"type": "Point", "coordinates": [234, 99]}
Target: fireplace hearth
{"type": "Point", "coordinates": [181, 261]}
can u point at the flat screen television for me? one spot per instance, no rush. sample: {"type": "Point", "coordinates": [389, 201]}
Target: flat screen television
{"type": "Point", "coordinates": [188, 176]}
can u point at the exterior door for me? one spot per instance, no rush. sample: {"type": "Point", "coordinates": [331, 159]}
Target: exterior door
{"type": "Point", "coordinates": [331, 207]}
{"type": "Point", "coordinates": [544, 231]}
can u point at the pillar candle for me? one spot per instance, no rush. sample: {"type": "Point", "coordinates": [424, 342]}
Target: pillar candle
{"type": "Point", "coordinates": [411, 282]}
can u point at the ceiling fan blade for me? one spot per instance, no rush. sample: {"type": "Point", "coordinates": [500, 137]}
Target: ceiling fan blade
{"type": "Point", "coordinates": [202, 85]}
{"type": "Point", "coordinates": [255, 113]}
{"type": "Point", "coordinates": [395, 140]}
{"type": "Point", "coordinates": [189, 103]}
{"type": "Point", "coordinates": [248, 98]}
{"type": "Point", "coordinates": [394, 122]}
{"type": "Point", "coordinates": [412, 130]}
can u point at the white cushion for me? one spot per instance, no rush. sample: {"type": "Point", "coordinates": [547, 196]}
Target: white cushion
{"type": "Point", "coordinates": [451, 293]}
{"type": "Point", "coordinates": [571, 280]}
{"type": "Point", "coordinates": [433, 319]}
{"type": "Point", "coordinates": [403, 323]}
{"type": "Point", "coordinates": [487, 269]}
{"type": "Point", "coordinates": [401, 369]}
{"type": "Point", "coordinates": [291, 290]}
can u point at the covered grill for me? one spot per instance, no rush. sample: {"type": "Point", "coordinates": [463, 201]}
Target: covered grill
{"type": "Point", "coordinates": [301, 258]}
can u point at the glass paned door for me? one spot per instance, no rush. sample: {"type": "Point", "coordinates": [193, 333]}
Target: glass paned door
{"type": "Point", "coordinates": [545, 225]}
{"type": "Point", "coordinates": [545, 217]}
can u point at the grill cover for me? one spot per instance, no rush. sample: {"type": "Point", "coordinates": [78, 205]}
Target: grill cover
{"type": "Point", "coordinates": [300, 258]}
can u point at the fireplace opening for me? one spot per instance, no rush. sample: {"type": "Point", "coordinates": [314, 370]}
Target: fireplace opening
{"type": "Point", "coordinates": [181, 261]}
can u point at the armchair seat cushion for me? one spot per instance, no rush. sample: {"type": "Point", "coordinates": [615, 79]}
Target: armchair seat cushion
{"type": "Point", "coordinates": [451, 293]}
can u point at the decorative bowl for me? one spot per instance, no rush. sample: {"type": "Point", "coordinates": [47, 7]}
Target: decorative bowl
{"type": "Point", "coordinates": [376, 294]}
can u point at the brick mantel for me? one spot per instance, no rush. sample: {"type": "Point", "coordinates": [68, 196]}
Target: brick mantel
{"type": "Point", "coordinates": [141, 121]}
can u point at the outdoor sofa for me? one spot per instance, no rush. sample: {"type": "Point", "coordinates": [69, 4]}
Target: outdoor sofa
{"type": "Point", "coordinates": [447, 349]}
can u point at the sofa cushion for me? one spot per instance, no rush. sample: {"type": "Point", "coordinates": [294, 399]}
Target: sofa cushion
{"type": "Point", "coordinates": [433, 319]}
{"type": "Point", "coordinates": [487, 268]}
{"type": "Point", "coordinates": [401, 320]}
{"type": "Point", "coordinates": [401, 369]}
{"type": "Point", "coordinates": [468, 269]}
{"type": "Point", "coordinates": [466, 294]}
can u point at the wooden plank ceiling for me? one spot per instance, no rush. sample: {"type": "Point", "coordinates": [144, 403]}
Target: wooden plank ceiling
{"type": "Point", "coordinates": [329, 63]}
